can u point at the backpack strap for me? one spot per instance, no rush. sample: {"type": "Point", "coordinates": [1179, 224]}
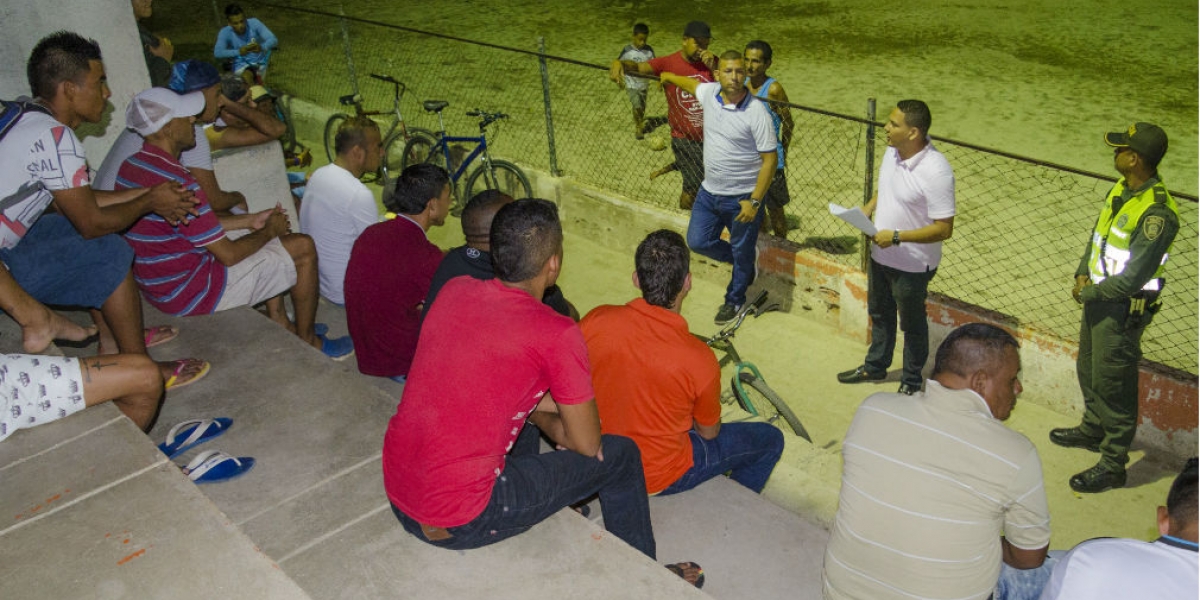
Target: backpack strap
{"type": "Point", "coordinates": [11, 112]}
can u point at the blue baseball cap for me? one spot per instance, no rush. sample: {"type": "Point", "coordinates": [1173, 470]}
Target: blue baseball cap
{"type": "Point", "coordinates": [192, 75]}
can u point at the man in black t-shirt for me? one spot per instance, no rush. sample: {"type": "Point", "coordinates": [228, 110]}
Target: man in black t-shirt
{"type": "Point", "coordinates": [475, 259]}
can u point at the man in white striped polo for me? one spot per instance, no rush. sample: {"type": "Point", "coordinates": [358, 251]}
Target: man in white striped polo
{"type": "Point", "coordinates": [936, 491]}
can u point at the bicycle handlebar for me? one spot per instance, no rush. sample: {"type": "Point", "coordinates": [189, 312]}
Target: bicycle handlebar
{"type": "Point", "coordinates": [486, 118]}
{"type": "Point", "coordinates": [401, 88]}
{"type": "Point", "coordinates": [752, 308]}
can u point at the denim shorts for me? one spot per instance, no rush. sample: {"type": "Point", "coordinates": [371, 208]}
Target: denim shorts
{"type": "Point", "coordinates": [57, 266]}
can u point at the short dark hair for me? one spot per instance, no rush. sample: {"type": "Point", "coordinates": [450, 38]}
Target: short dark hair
{"type": "Point", "coordinates": [415, 187]}
{"type": "Point", "coordinates": [1181, 500]}
{"type": "Point", "coordinates": [58, 57]}
{"type": "Point", "coordinates": [731, 55]}
{"type": "Point", "coordinates": [479, 212]}
{"type": "Point", "coordinates": [916, 114]}
{"type": "Point", "coordinates": [641, 28]}
{"type": "Point", "coordinates": [353, 132]}
{"type": "Point", "coordinates": [971, 348]}
{"type": "Point", "coordinates": [662, 262]}
{"type": "Point", "coordinates": [233, 9]}
{"type": "Point", "coordinates": [763, 47]}
{"type": "Point", "coordinates": [525, 234]}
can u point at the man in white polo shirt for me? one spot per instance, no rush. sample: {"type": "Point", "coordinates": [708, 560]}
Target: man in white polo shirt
{"type": "Point", "coordinates": [936, 491]}
{"type": "Point", "coordinates": [739, 165]}
{"type": "Point", "coordinates": [914, 212]}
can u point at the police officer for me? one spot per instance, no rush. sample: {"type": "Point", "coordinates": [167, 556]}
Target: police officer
{"type": "Point", "coordinates": [1118, 282]}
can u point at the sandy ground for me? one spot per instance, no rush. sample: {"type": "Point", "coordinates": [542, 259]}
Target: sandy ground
{"type": "Point", "coordinates": [1016, 76]}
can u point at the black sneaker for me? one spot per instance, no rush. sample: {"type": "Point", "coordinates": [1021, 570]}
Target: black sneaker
{"type": "Point", "coordinates": [860, 374]}
{"type": "Point", "coordinates": [1073, 437]}
{"type": "Point", "coordinates": [908, 389]}
{"type": "Point", "coordinates": [1097, 479]}
{"type": "Point", "coordinates": [726, 313]}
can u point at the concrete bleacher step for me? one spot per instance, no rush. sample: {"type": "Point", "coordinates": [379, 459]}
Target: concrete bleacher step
{"type": "Point", "coordinates": [311, 518]}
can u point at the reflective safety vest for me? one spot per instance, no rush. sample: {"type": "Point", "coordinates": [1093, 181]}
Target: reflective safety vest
{"type": "Point", "coordinates": [1110, 241]}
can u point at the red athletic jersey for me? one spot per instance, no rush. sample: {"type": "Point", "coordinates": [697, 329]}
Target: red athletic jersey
{"type": "Point", "coordinates": [487, 355]}
{"type": "Point", "coordinates": [683, 110]}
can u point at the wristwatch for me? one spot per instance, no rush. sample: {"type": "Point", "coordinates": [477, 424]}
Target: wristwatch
{"type": "Point", "coordinates": [755, 203]}
{"type": "Point", "coordinates": [895, 237]}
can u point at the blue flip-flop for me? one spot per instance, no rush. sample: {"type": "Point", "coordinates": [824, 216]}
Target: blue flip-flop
{"type": "Point", "coordinates": [212, 466]}
{"type": "Point", "coordinates": [320, 329]}
{"type": "Point", "coordinates": [189, 434]}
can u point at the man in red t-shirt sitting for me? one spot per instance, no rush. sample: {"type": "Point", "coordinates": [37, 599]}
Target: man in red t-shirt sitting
{"type": "Point", "coordinates": [660, 385]}
{"type": "Point", "coordinates": [489, 358]}
{"type": "Point", "coordinates": [683, 110]}
{"type": "Point", "coordinates": [391, 266]}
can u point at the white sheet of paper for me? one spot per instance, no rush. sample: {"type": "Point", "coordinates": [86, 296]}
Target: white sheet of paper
{"type": "Point", "coordinates": [855, 217]}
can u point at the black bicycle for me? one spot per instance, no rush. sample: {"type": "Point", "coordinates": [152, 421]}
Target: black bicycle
{"type": "Point", "coordinates": [747, 384]}
{"type": "Point", "coordinates": [394, 139]}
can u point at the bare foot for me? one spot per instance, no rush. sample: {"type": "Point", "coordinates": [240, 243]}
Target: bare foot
{"type": "Point", "coordinates": [44, 326]}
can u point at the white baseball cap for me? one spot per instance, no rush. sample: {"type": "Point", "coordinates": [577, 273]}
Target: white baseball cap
{"type": "Point", "coordinates": [150, 110]}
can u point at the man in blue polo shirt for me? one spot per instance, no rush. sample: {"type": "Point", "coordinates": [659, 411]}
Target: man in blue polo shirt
{"type": "Point", "coordinates": [739, 164]}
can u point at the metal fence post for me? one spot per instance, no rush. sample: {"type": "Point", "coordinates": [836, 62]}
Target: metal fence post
{"type": "Point", "coordinates": [868, 174]}
{"type": "Point", "coordinates": [346, 49]}
{"type": "Point", "coordinates": [546, 102]}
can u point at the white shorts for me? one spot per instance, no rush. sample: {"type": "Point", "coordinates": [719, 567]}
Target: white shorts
{"type": "Point", "coordinates": [259, 277]}
{"type": "Point", "coordinates": [38, 389]}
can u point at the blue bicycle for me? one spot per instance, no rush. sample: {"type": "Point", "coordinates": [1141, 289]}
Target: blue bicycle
{"type": "Point", "coordinates": [449, 153]}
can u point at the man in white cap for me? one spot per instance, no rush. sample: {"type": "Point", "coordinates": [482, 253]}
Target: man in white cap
{"type": "Point", "coordinates": [193, 268]}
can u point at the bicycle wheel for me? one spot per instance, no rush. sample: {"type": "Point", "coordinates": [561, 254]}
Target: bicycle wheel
{"type": "Point", "coordinates": [758, 398]}
{"type": "Point", "coordinates": [400, 153]}
{"type": "Point", "coordinates": [331, 129]}
{"type": "Point", "coordinates": [504, 176]}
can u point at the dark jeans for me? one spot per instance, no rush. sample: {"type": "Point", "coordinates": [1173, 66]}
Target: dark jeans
{"type": "Point", "coordinates": [534, 486]}
{"type": "Point", "coordinates": [710, 215]}
{"type": "Point", "coordinates": [747, 451]}
{"type": "Point", "coordinates": [891, 291]}
{"type": "Point", "coordinates": [1110, 347]}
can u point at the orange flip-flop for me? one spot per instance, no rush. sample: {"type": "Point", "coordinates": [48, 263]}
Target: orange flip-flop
{"type": "Point", "coordinates": [177, 378]}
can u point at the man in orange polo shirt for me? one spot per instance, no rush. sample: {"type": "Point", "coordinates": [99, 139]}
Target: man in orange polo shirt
{"type": "Point", "coordinates": [657, 383]}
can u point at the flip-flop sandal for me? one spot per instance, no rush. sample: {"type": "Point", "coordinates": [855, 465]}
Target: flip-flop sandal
{"type": "Point", "coordinates": [160, 334]}
{"type": "Point", "coordinates": [189, 434]}
{"type": "Point", "coordinates": [176, 380]}
{"type": "Point", "coordinates": [678, 569]}
{"type": "Point", "coordinates": [212, 466]}
{"type": "Point", "coordinates": [320, 329]}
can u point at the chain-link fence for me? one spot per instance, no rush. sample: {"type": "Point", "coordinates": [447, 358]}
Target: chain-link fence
{"type": "Point", "coordinates": [1021, 226]}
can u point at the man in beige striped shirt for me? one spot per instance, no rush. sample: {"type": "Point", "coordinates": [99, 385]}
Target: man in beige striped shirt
{"type": "Point", "coordinates": [936, 491]}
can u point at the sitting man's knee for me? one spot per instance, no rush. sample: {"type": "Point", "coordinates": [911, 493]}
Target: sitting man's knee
{"type": "Point", "coordinates": [300, 246]}
{"type": "Point", "coordinates": [619, 447]}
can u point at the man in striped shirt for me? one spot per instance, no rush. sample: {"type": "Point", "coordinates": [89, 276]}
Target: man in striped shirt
{"type": "Point", "coordinates": [194, 268]}
{"type": "Point", "coordinates": [936, 491]}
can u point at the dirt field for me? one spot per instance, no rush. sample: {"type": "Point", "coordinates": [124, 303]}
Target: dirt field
{"type": "Point", "coordinates": [1015, 76]}
{"type": "Point", "coordinates": [1030, 77]}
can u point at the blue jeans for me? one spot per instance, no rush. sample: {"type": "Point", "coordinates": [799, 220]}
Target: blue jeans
{"type": "Point", "coordinates": [710, 215]}
{"type": "Point", "coordinates": [534, 486]}
{"type": "Point", "coordinates": [891, 291]}
{"type": "Point", "coordinates": [747, 451]}
{"type": "Point", "coordinates": [1027, 584]}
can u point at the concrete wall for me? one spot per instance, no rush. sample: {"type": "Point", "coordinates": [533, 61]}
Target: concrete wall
{"type": "Point", "coordinates": [109, 22]}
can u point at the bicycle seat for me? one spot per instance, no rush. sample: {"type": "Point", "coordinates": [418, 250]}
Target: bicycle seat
{"type": "Point", "coordinates": [348, 99]}
{"type": "Point", "coordinates": [435, 105]}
